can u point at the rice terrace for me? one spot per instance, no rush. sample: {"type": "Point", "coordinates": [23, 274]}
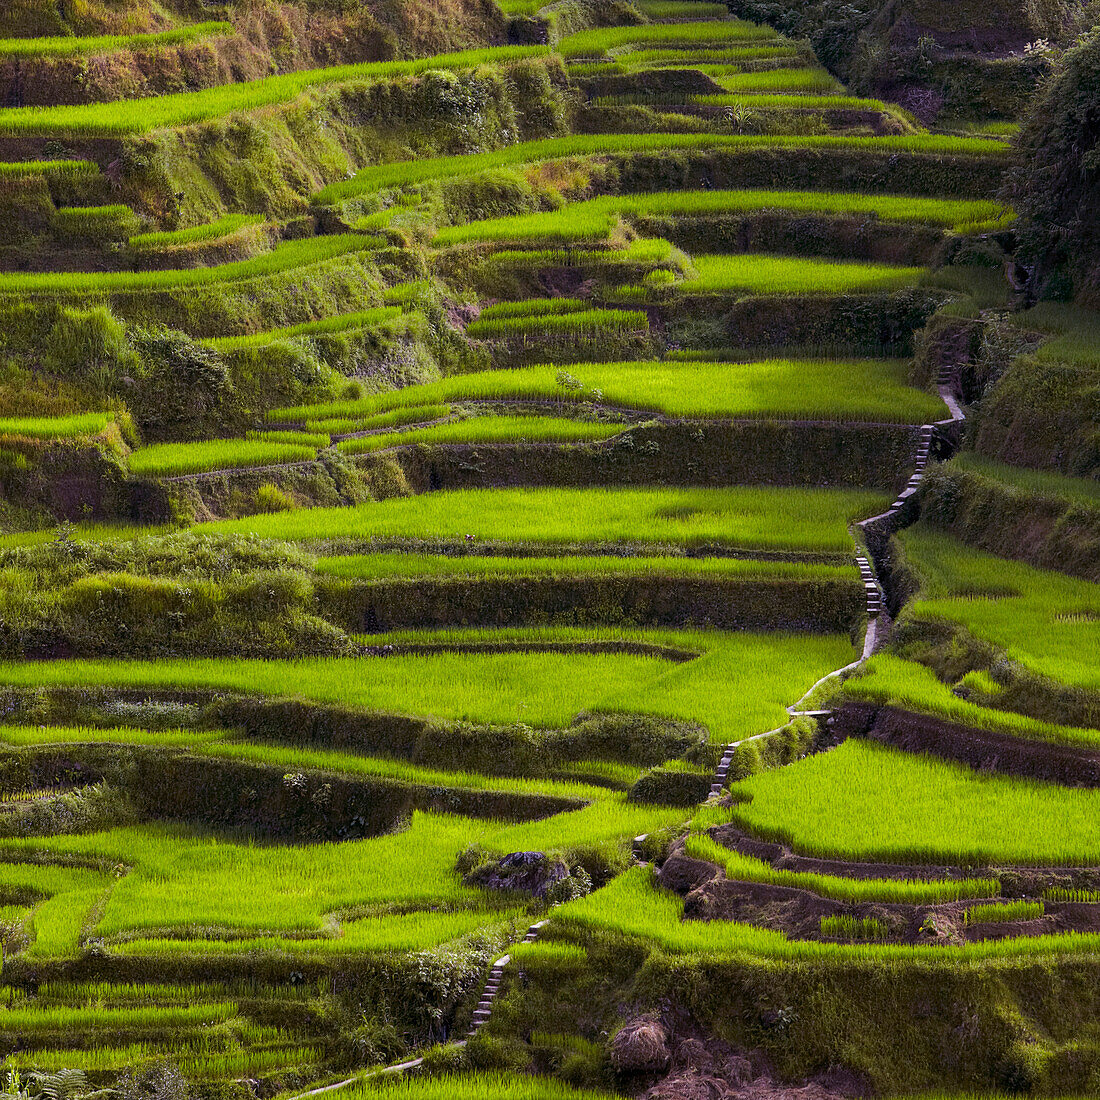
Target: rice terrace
{"type": "Point", "coordinates": [549, 549]}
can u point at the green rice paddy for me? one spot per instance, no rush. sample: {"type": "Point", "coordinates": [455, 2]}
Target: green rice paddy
{"type": "Point", "coordinates": [412, 172]}
{"type": "Point", "coordinates": [595, 218]}
{"type": "Point", "coordinates": [487, 429]}
{"type": "Point", "coordinates": [863, 389]}
{"type": "Point", "coordinates": [864, 801]}
{"type": "Point", "coordinates": [168, 459]}
{"type": "Point", "coordinates": [544, 689]}
{"type": "Point", "coordinates": [756, 518]}
{"type": "Point", "coordinates": [109, 43]}
{"type": "Point", "coordinates": [752, 273]}
{"type": "Point", "coordinates": [186, 108]}
{"type": "Point", "coordinates": [1046, 621]}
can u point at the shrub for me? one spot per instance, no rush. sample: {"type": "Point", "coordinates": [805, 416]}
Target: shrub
{"type": "Point", "coordinates": [270, 498]}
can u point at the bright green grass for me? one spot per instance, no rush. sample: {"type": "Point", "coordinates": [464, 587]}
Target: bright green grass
{"type": "Point", "coordinates": [787, 102]}
{"type": "Point", "coordinates": [681, 9]}
{"type": "Point", "coordinates": [167, 459]}
{"type": "Point", "coordinates": [394, 932]}
{"type": "Point", "coordinates": [343, 322]}
{"type": "Point", "coordinates": [188, 879]}
{"type": "Point", "coordinates": [743, 868]}
{"type": "Point", "coordinates": [399, 770]}
{"type": "Point", "coordinates": [595, 218]}
{"type": "Point", "coordinates": [1080, 490]}
{"type": "Point", "coordinates": [11, 169]}
{"type": "Point", "coordinates": [109, 43]}
{"type": "Point", "coordinates": [585, 324]}
{"type": "Point", "coordinates": [761, 274]}
{"type": "Point", "coordinates": [488, 429]}
{"type": "Point", "coordinates": [474, 1086]}
{"type": "Point", "coordinates": [774, 668]}
{"type": "Point", "coordinates": [1074, 333]}
{"type": "Point", "coordinates": [531, 307]}
{"type": "Point", "coordinates": [410, 414]}
{"type": "Point", "coordinates": [812, 81]}
{"type": "Point", "coordinates": [864, 801]}
{"type": "Point", "coordinates": [1004, 911]}
{"type": "Point", "coordinates": [545, 689]}
{"type": "Point", "coordinates": [184, 108]}
{"type": "Point", "coordinates": [633, 905]}
{"type": "Point", "coordinates": [289, 255]}
{"type": "Point", "coordinates": [755, 518]}
{"type": "Point", "coordinates": [599, 41]}
{"type": "Point", "coordinates": [211, 231]}
{"type": "Point", "coordinates": [316, 440]}
{"type": "Point", "coordinates": [765, 672]}
{"type": "Point", "coordinates": [78, 735]}
{"type": "Point", "coordinates": [55, 427]}
{"type": "Point", "coordinates": [1046, 621]}
{"type": "Point", "coordinates": [193, 1058]}
{"type": "Point", "coordinates": [183, 878]}
{"type": "Point", "coordinates": [65, 1017]}
{"type": "Point", "coordinates": [875, 390]}
{"type": "Point", "coordinates": [411, 172]}
{"type": "Point", "coordinates": [213, 744]}
{"type": "Point", "coordinates": [385, 566]}
{"type": "Point", "coordinates": [890, 681]}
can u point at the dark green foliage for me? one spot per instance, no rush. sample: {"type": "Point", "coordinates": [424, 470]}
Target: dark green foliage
{"type": "Point", "coordinates": [1055, 186]}
{"type": "Point", "coordinates": [671, 787]}
{"type": "Point", "coordinates": [1040, 529]}
{"type": "Point", "coordinates": [181, 388]}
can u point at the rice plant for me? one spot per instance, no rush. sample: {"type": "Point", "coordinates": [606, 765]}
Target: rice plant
{"type": "Point", "coordinates": [344, 322]}
{"type": "Point", "coordinates": [586, 324]}
{"type": "Point", "coordinates": [854, 928]}
{"type": "Point", "coordinates": [595, 218]}
{"type": "Point", "coordinates": [1077, 897]}
{"type": "Point", "coordinates": [891, 681]}
{"type": "Point", "coordinates": [631, 905]}
{"type": "Point", "coordinates": [289, 255]}
{"type": "Point", "coordinates": [487, 429]}
{"type": "Point", "coordinates": [411, 172]}
{"type": "Point", "coordinates": [14, 169]}
{"type": "Point", "coordinates": [418, 931]}
{"type": "Point", "coordinates": [115, 119]}
{"type": "Point", "coordinates": [316, 440]}
{"type": "Point", "coordinates": [408, 414]}
{"type": "Point", "coordinates": [865, 801]}
{"type": "Point", "coordinates": [55, 427]}
{"type": "Point", "coordinates": [741, 867]}
{"type": "Point", "coordinates": [1043, 483]}
{"type": "Point", "coordinates": [473, 1086]}
{"type": "Point", "coordinates": [195, 234]}
{"type": "Point", "coordinates": [531, 307]}
{"type": "Point", "coordinates": [754, 273]}
{"type": "Point", "coordinates": [109, 43]}
{"type": "Point", "coordinates": [1004, 911]}
{"type": "Point", "coordinates": [749, 518]}
{"type": "Point", "coordinates": [173, 459]}
{"type": "Point", "coordinates": [536, 688]}
{"type": "Point", "coordinates": [382, 566]}
{"type": "Point", "coordinates": [1045, 620]}
{"type": "Point", "coordinates": [681, 9]}
{"type": "Point", "coordinates": [854, 389]}
{"type": "Point", "coordinates": [601, 41]}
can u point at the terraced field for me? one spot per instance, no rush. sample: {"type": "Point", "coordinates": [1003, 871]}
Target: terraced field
{"type": "Point", "coordinates": [460, 597]}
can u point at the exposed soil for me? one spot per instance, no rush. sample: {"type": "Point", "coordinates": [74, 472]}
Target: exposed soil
{"type": "Point", "coordinates": [709, 895]}
{"type": "Point", "coordinates": [693, 1066]}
